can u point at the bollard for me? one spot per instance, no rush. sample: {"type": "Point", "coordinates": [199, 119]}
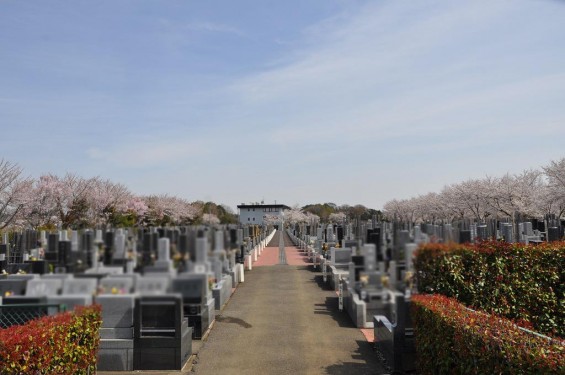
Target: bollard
{"type": "Point", "coordinates": [241, 273]}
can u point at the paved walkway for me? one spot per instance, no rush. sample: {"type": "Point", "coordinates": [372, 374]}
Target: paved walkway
{"type": "Point", "coordinates": [281, 322]}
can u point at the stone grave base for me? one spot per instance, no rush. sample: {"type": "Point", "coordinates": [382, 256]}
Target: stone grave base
{"type": "Point", "coordinates": [222, 291]}
{"type": "Point", "coordinates": [115, 355]}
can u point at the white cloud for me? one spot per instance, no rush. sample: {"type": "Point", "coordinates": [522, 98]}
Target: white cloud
{"type": "Point", "coordinates": [215, 28]}
{"type": "Point", "coordinates": [394, 70]}
{"type": "Point", "coordinates": [148, 153]}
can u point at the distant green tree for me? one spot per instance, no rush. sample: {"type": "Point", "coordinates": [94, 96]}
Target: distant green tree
{"type": "Point", "coordinates": [221, 211]}
{"type": "Point", "coordinates": [322, 210]}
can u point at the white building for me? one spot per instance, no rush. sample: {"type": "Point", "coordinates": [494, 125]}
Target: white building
{"type": "Point", "coordinates": [255, 213]}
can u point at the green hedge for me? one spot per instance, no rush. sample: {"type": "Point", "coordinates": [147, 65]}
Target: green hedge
{"type": "Point", "coordinates": [452, 339]}
{"type": "Point", "coordinates": [66, 343]}
{"type": "Point", "coordinates": [522, 283]}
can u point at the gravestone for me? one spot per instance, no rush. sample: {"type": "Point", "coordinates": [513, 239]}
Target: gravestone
{"type": "Point", "coordinates": [65, 255]}
{"type": "Point", "coordinates": [52, 252]}
{"type": "Point", "coordinates": [162, 338]}
{"type": "Point", "coordinates": [370, 257]}
{"type": "Point", "coordinates": [152, 285]}
{"type": "Point", "coordinates": [116, 333]}
{"type": "Point", "coordinates": [76, 292]}
{"type": "Point", "coordinates": [482, 232]}
{"type": "Point", "coordinates": [340, 256]}
{"type": "Point", "coordinates": [507, 232]}
{"type": "Point", "coordinates": [119, 246]}
{"type": "Point", "coordinates": [464, 236]}
{"type": "Point", "coordinates": [43, 287]}
{"type": "Point", "coordinates": [4, 253]}
{"type": "Point", "coordinates": [116, 285]}
{"type": "Point", "coordinates": [194, 291]}
{"type": "Point", "coordinates": [447, 230]}
{"type": "Point", "coordinates": [164, 254]}
{"type": "Point", "coordinates": [74, 241]}
{"type": "Point", "coordinates": [553, 234]}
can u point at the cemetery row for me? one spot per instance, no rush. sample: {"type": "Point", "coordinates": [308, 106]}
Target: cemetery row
{"type": "Point", "coordinates": [371, 267]}
{"type": "Point", "coordinates": [158, 288]}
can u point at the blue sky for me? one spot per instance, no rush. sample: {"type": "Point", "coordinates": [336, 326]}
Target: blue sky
{"type": "Point", "coordinates": [300, 102]}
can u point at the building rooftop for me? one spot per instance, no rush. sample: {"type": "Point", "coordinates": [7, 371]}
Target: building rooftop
{"type": "Point", "coordinates": [257, 205]}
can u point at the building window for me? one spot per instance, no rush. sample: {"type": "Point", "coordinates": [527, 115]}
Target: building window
{"type": "Point", "coordinates": [253, 219]}
{"type": "Point", "coordinates": [249, 209]}
{"type": "Point", "coordinates": [248, 219]}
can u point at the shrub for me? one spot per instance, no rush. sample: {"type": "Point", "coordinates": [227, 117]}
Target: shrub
{"type": "Point", "coordinates": [452, 339]}
{"type": "Point", "coordinates": [66, 343]}
{"type": "Point", "coordinates": [522, 283]}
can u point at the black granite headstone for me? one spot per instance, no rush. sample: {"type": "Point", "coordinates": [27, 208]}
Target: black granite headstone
{"type": "Point", "coordinates": [340, 234]}
{"type": "Point", "coordinates": [88, 241]}
{"type": "Point", "coordinates": [39, 267]}
{"type": "Point", "coordinates": [192, 245]}
{"type": "Point", "coordinates": [109, 240]}
{"type": "Point", "coordinates": [553, 234]}
{"type": "Point", "coordinates": [464, 236]}
{"type": "Point", "coordinates": [373, 237]}
{"type": "Point", "coordinates": [233, 238]}
{"type": "Point", "coordinates": [183, 244]}
{"type": "Point", "coordinates": [53, 242]}
{"type": "Point", "coordinates": [65, 253]}
{"type": "Point", "coordinates": [359, 262]}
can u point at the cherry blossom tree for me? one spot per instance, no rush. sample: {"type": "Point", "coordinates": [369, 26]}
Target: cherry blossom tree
{"type": "Point", "coordinates": [404, 210]}
{"type": "Point", "coordinates": [136, 206]}
{"type": "Point", "coordinates": [271, 219]}
{"type": "Point", "coordinates": [69, 197]}
{"type": "Point", "coordinates": [555, 173]}
{"type": "Point", "coordinates": [12, 192]}
{"type": "Point", "coordinates": [295, 216]}
{"type": "Point", "coordinates": [312, 218]}
{"type": "Point", "coordinates": [106, 200]}
{"type": "Point", "coordinates": [513, 194]}
{"type": "Point", "coordinates": [210, 219]}
{"type": "Point", "coordinates": [550, 202]}
{"type": "Point", "coordinates": [554, 196]}
{"type": "Point", "coordinates": [40, 207]}
{"type": "Point", "coordinates": [468, 199]}
{"type": "Point", "coordinates": [430, 208]}
{"type": "Point", "coordinates": [169, 210]}
{"type": "Point", "coordinates": [337, 217]}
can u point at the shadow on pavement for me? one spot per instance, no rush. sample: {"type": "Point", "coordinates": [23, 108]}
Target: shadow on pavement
{"type": "Point", "coordinates": [330, 307]}
{"type": "Point", "coordinates": [319, 279]}
{"type": "Point", "coordinates": [371, 367]}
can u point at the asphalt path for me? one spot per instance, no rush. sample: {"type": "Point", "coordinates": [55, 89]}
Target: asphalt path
{"type": "Point", "coordinates": [281, 321]}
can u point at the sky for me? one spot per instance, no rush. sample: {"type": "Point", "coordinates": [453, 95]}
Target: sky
{"type": "Point", "coordinates": [298, 101]}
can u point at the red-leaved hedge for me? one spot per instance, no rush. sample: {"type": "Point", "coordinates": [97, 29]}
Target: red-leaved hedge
{"type": "Point", "coordinates": [452, 339]}
{"type": "Point", "coordinates": [65, 343]}
{"type": "Point", "coordinates": [522, 283]}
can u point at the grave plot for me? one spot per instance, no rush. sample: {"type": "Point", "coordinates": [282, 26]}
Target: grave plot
{"type": "Point", "coordinates": [136, 275]}
{"type": "Point", "coordinates": [369, 264]}
{"type": "Point", "coordinates": [376, 278]}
